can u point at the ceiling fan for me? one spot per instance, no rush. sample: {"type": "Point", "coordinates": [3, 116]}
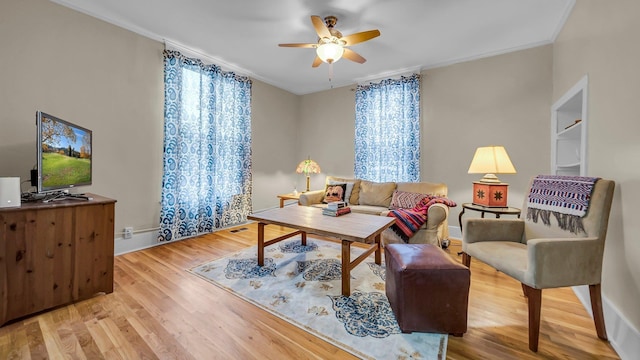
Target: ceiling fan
{"type": "Point", "coordinates": [331, 45]}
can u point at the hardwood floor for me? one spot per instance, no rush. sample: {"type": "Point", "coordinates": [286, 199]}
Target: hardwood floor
{"type": "Point", "coordinates": [160, 311]}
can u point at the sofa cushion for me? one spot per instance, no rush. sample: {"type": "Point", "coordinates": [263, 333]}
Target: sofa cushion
{"type": "Point", "coordinates": [376, 194]}
{"type": "Point", "coordinates": [405, 199]}
{"type": "Point", "coordinates": [353, 199]}
{"type": "Point", "coordinates": [348, 191]}
{"type": "Point", "coordinates": [437, 189]}
{"type": "Point", "coordinates": [334, 192]}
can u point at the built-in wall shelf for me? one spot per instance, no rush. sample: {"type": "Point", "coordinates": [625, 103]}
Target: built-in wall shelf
{"type": "Point", "coordinates": [569, 131]}
{"type": "Point", "coordinates": [568, 166]}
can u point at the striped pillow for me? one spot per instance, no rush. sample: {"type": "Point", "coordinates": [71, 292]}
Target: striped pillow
{"type": "Point", "coordinates": [405, 199]}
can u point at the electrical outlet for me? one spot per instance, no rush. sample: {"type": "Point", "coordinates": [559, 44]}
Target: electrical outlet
{"type": "Point", "coordinates": [128, 232]}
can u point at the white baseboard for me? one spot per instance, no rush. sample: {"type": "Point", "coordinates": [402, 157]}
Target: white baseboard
{"type": "Point", "coordinates": [147, 239]}
{"type": "Point", "coordinates": [455, 232]}
{"type": "Point", "coordinates": [137, 242]}
{"type": "Point", "coordinates": [624, 338]}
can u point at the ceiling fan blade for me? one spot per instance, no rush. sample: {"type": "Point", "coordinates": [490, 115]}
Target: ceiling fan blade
{"type": "Point", "coordinates": [360, 37]}
{"type": "Point", "coordinates": [316, 62]}
{"type": "Point", "coordinates": [353, 56]}
{"type": "Point", "coordinates": [300, 45]}
{"type": "Point", "coordinates": [320, 26]}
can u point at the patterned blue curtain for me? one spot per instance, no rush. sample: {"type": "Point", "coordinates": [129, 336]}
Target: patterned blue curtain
{"type": "Point", "coordinates": [207, 148]}
{"type": "Point", "coordinates": [387, 141]}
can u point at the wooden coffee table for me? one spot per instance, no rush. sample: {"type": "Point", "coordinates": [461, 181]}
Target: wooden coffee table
{"type": "Point", "coordinates": [349, 228]}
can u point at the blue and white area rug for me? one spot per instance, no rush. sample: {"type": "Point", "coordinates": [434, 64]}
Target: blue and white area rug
{"type": "Point", "coordinates": [302, 284]}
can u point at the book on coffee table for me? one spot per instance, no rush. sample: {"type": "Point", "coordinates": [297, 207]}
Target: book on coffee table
{"type": "Point", "coordinates": [338, 212]}
{"type": "Point", "coordinates": [335, 205]}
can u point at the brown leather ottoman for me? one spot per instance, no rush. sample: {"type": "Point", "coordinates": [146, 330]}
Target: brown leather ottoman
{"type": "Point", "coordinates": [427, 289]}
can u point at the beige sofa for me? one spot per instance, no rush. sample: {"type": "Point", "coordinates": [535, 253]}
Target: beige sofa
{"type": "Point", "coordinates": [374, 198]}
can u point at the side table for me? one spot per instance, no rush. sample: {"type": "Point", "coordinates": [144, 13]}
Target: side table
{"type": "Point", "coordinates": [485, 209]}
{"type": "Point", "coordinates": [290, 196]}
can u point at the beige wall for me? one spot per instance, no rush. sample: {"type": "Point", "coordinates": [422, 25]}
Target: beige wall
{"type": "Point", "coordinates": [95, 75]}
{"type": "Point", "coordinates": [500, 100]}
{"type": "Point", "coordinates": [327, 125]}
{"type": "Point", "coordinates": [601, 39]}
{"type": "Point", "coordinates": [110, 80]}
{"type": "Point", "coordinates": [274, 126]}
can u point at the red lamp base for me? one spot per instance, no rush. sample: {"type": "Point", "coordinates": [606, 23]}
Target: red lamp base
{"type": "Point", "coordinates": [490, 194]}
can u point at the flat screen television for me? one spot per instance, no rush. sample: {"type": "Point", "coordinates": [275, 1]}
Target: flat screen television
{"type": "Point", "coordinates": [64, 154]}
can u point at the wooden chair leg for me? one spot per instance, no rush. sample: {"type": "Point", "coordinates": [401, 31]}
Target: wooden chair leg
{"type": "Point", "coordinates": [524, 290]}
{"type": "Point", "coordinates": [596, 307]}
{"type": "Point", "coordinates": [534, 297]}
{"type": "Point", "coordinates": [466, 259]}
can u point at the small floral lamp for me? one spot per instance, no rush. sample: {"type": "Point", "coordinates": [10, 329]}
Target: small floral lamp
{"type": "Point", "coordinates": [307, 167]}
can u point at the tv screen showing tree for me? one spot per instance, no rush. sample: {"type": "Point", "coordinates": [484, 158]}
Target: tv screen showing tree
{"type": "Point", "coordinates": [64, 154]}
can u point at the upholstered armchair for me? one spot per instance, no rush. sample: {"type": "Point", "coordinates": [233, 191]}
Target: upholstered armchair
{"type": "Point", "coordinates": [549, 247]}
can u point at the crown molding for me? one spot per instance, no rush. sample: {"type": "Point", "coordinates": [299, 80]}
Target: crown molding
{"type": "Point", "coordinates": [563, 21]}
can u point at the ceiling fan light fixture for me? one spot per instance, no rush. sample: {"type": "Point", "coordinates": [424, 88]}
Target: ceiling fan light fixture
{"type": "Point", "coordinates": [330, 52]}
{"type": "Point", "coordinates": [331, 45]}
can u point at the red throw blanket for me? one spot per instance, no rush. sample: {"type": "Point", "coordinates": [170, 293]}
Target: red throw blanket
{"type": "Point", "coordinates": [409, 221]}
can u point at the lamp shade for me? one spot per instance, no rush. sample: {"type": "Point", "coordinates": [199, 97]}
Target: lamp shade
{"type": "Point", "coordinates": [308, 167]}
{"type": "Point", "coordinates": [330, 52]}
{"type": "Point", "coordinates": [491, 160]}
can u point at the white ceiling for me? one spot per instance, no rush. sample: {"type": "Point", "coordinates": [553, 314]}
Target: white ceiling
{"type": "Point", "coordinates": [243, 35]}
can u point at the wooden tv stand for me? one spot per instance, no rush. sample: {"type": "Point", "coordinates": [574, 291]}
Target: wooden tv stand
{"type": "Point", "coordinates": [54, 253]}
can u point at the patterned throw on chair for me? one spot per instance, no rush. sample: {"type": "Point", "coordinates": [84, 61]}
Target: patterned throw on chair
{"type": "Point", "coordinates": [566, 197]}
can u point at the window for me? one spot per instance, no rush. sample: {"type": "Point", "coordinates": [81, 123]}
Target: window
{"type": "Point", "coordinates": [207, 148]}
{"type": "Point", "coordinates": [387, 139]}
